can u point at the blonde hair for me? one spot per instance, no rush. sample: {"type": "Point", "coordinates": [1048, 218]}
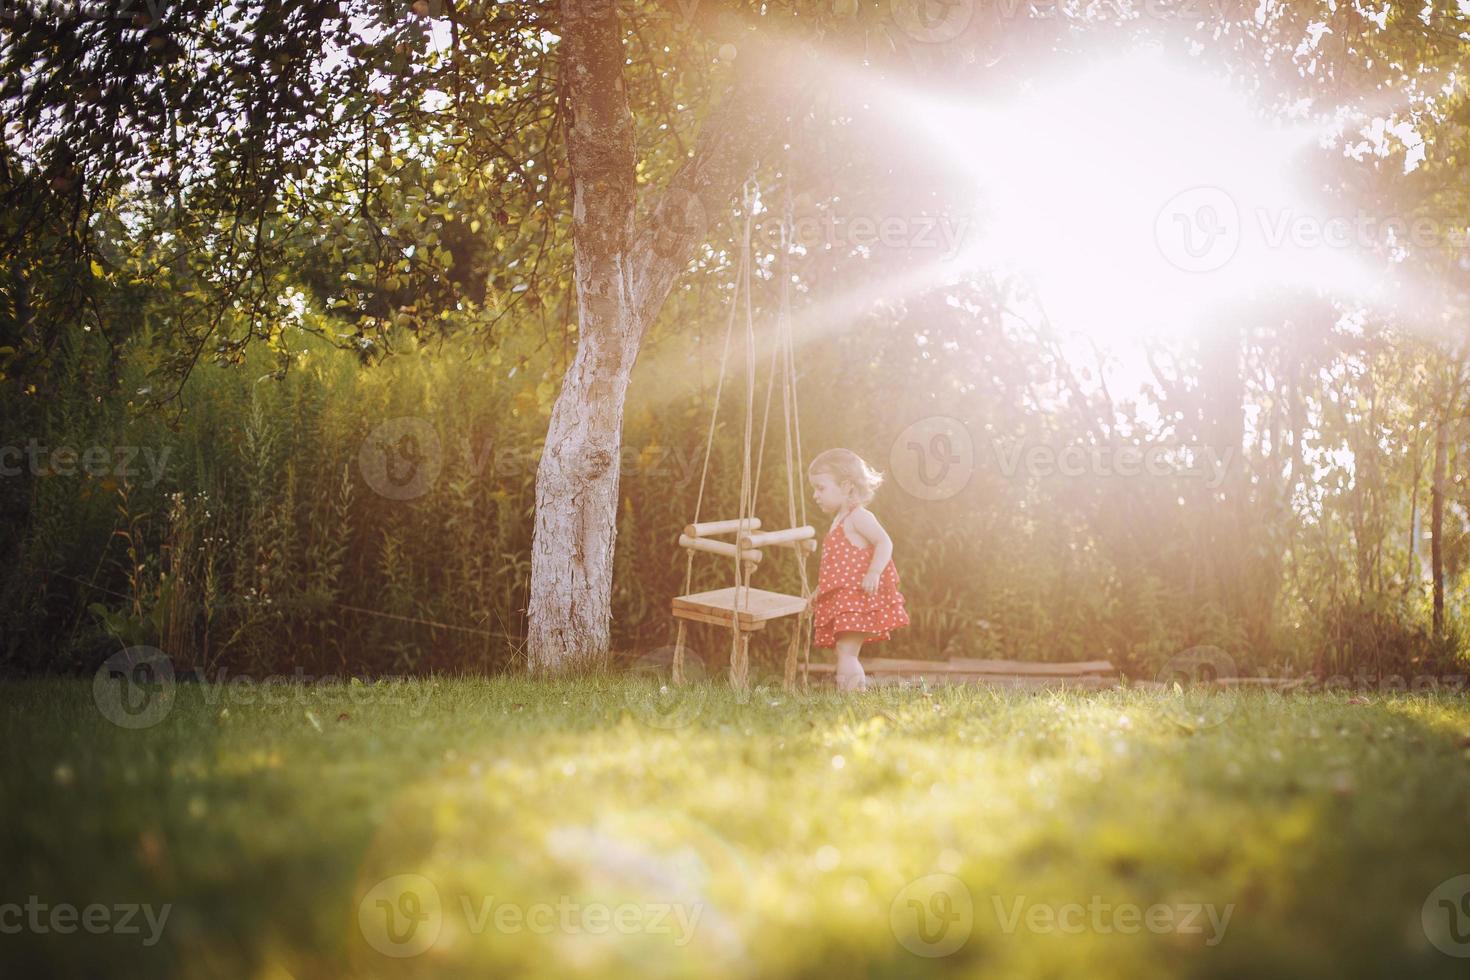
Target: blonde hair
{"type": "Point", "coordinates": [846, 466]}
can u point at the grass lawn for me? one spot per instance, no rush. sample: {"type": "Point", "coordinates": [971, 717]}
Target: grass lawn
{"type": "Point", "coordinates": [504, 827]}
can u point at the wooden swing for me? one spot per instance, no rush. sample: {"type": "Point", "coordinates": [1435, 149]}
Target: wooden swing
{"type": "Point", "coordinates": [741, 607]}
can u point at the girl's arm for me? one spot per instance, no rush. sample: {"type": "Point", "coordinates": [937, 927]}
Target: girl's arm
{"type": "Point", "coordinates": [867, 525]}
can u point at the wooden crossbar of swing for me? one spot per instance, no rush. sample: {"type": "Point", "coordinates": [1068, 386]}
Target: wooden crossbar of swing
{"type": "Point", "coordinates": [792, 536]}
{"type": "Point", "coordinates": [717, 548]}
{"type": "Point", "coordinates": [706, 529]}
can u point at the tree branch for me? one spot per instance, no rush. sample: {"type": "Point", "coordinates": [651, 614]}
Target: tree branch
{"type": "Point", "coordinates": [774, 83]}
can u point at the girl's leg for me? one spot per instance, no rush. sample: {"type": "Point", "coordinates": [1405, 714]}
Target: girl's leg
{"type": "Point", "coordinates": [850, 673]}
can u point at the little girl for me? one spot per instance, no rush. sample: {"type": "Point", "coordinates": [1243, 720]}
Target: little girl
{"type": "Point", "coordinates": [857, 599]}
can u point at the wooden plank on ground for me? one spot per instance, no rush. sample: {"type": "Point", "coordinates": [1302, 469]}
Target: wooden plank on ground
{"type": "Point", "coordinates": [1281, 683]}
{"type": "Point", "coordinates": [945, 675]}
{"type": "Point", "coordinates": [880, 665]}
{"type": "Point", "coordinates": [958, 665]}
{"type": "Point", "coordinates": [1033, 667]}
{"type": "Point", "coordinates": [983, 680]}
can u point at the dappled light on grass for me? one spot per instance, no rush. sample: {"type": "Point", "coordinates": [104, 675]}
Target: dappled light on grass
{"type": "Point", "coordinates": [784, 828]}
{"type": "Point", "coordinates": [517, 828]}
{"type": "Point", "coordinates": [536, 881]}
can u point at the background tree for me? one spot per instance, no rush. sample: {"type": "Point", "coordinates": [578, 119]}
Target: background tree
{"type": "Point", "coordinates": [206, 185]}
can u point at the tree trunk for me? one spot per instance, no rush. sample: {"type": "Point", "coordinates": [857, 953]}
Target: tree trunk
{"type": "Point", "coordinates": [577, 478]}
{"type": "Point", "coordinates": [576, 506]}
{"type": "Point", "coordinates": [1414, 573]}
{"type": "Point", "coordinates": [623, 275]}
{"type": "Point", "coordinates": [1436, 520]}
{"type": "Point", "coordinates": [1451, 426]}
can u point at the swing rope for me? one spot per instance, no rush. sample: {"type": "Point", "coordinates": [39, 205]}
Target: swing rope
{"type": "Point", "coordinates": [719, 390]}
{"type": "Point", "coordinates": [783, 350]}
{"type": "Point", "coordinates": [739, 667]}
{"type": "Point", "coordinates": [795, 496]}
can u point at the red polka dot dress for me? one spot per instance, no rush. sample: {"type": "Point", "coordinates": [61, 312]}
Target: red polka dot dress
{"type": "Point", "coordinates": [841, 604]}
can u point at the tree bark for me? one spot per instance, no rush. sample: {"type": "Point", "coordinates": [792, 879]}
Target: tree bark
{"type": "Point", "coordinates": [623, 275]}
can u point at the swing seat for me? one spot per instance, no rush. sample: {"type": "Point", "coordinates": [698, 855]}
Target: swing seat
{"type": "Point", "coordinates": [718, 606]}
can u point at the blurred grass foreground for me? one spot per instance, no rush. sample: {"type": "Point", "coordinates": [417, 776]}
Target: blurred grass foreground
{"type": "Point", "coordinates": [619, 828]}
